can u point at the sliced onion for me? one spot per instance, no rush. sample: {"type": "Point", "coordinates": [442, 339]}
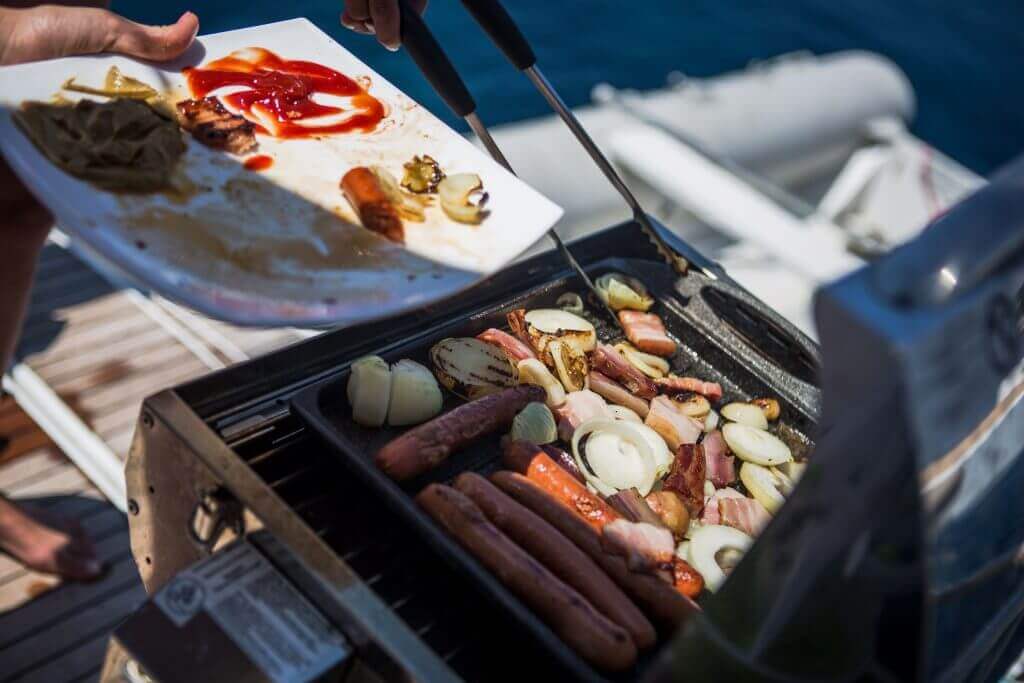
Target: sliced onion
{"type": "Point", "coordinates": [618, 456]}
{"type": "Point", "coordinates": [683, 551]}
{"type": "Point", "coordinates": [705, 545]}
{"type": "Point", "coordinates": [534, 424]}
{"type": "Point", "coordinates": [755, 445]}
{"type": "Point", "coordinates": [663, 456]}
{"type": "Point", "coordinates": [462, 197]}
{"type": "Point", "coordinates": [472, 368]}
{"type": "Point", "coordinates": [745, 413]}
{"type": "Point", "coordinates": [411, 207]}
{"type": "Point", "coordinates": [623, 292]}
{"type": "Point", "coordinates": [570, 365]}
{"type": "Point", "coordinates": [693, 405]}
{"type": "Point", "coordinates": [649, 364]}
{"type": "Point", "coordinates": [794, 470]}
{"type": "Point", "coordinates": [532, 371]}
{"type": "Point", "coordinates": [570, 302]}
{"type": "Point", "coordinates": [709, 488]}
{"type": "Point", "coordinates": [545, 325]}
{"type": "Point", "coordinates": [415, 395]}
{"type": "Point", "coordinates": [711, 421]}
{"type": "Point", "coordinates": [764, 485]}
{"type": "Point", "coordinates": [623, 413]}
{"type": "Point", "coordinates": [369, 390]}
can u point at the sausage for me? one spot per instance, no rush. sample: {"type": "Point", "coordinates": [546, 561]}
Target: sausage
{"type": "Point", "coordinates": [527, 459]}
{"type": "Point", "coordinates": [655, 597]}
{"type": "Point", "coordinates": [575, 620]}
{"type": "Point", "coordinates": [427, 445]}
{"type": "Point", "coordinates": [514, 348]}
{"type": "Point", "coordinates": [558, 554]}
{"type": "Point", "coordinates": [376, 211]}
{"type": "Point", "coordinates": [688, 580]}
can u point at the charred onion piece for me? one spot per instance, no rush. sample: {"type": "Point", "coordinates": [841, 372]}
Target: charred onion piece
{"type": "Point", "coordinates": [422, 175]}
{"type": "Point", "coordinates": [463, 197]}
{"type": "Point", "coordinates": [410, 207]}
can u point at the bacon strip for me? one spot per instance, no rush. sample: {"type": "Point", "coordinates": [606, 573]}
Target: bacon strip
{"type": "Point", "coordinates": [646, 547]}
{"type": "Point", "coordinates": [685, 385]}
{"type": "Point", "coordinates": [745, 514]}
{"type": "Point", "coordinates": [514, 348]}
{"type": "Point", "coordinates": [610, 362]}
{"type": "Point", "coordinates": [579, 407]}
{"type": "Point", "coordinates": [608, 388]}
{"type": "Point", "coordinates": [687, 477]}
{"type": "Point", "coordinates": [647, 332]}
{"type": "Point", "coordinates": [721, 467]}
{"type": "Point", "coordinates": [666, 419]}
{"type": "Point", "coordinates": [712, 513]}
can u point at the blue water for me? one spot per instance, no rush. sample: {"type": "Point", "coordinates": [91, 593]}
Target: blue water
{"type": "Point", "coordinates": [965, 58]}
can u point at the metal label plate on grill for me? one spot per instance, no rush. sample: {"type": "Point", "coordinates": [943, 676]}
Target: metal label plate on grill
{"type": "Point", "coordinates": [277, 629]}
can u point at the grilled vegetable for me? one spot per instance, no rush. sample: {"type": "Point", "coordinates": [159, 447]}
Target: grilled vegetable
{"type": "Point", "coordinates": [570, 364]}
{"type": "Point", "coordinates": [532, 371]}
{"type": "Point", "coordinates": [462, 197]}
{"type": "Point", "coordinates": [534, 424]}
{"type": "Point", "coordinates": [765, 485]}
{"type": "Point", "coordinates": [571, 302]}
{"type": "Point", "coordinates": [769, 406]}
{"type": "Point", "coordinates": [623, 292]}
{"type": "Point", "coordinates": [617, 456]}
{"type": "Point", "coordinates": [369, 390]}
{"type": "Point", "coordinates": [116, 84]}
{"type": "Point", "coordinates": [545, 325]}
{"type": "Point", "coordinates": [409, 207]}
{"type": "Point", "coordinates": [705, 546]}
{"type": "Point", "coordinates": [422, 175]}
{"type": "Point", "coordinates": [793, 470]}
{"type": "Point", "coordinates": [692, 405]}
{"type": "Point", "coordinates": [755, 445]}
{"type": "Point", "coordinates": [745, 413]}
{"type": "Point", "coordinates": [415, 395]}
{"type": "Point", "coordinates": [625, 414]}
{"type": "Point", "coordinates": [471, 368]}
{"type": "Point", "coordinates": [711, 421]}
{"type": "Point", "coordinates": [649, 364]}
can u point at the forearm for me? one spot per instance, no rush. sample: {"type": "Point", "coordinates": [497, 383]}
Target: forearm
{"type": "Point", "coordinates": [20, 252]}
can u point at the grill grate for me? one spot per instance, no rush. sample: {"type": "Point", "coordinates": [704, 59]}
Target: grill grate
{"type": "Point", "coordinates": [468, 634]}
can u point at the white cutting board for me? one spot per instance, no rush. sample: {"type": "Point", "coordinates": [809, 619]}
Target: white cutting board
{"type": "Point", "coordinates": [296, 254]}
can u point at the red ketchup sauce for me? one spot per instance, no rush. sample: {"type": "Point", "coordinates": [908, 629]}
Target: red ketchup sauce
{"type": "Point", "coordinates": [260, 162]}
{"type": "Point", "coordinates": [278, 97]}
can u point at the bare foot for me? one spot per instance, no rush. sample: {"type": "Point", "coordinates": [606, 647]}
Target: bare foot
{"type": "Point", "coordinates": [47, 543]}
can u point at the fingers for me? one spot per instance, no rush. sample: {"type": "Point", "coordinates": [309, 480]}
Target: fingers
{"type": "Point", "coordinates": [387, 23]}
{"type": "Point", "coordinates": [73, 564]}
{"type": "Point", "coordinates": [381, 17]}
{"type": "Point", "coordinates": [157, 43]}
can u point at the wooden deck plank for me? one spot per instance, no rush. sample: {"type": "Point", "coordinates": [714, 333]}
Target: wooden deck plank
{"type": "Point", "coordinates": [89, 359]}
{"type": "Point", "coordinates": [28, 465]}
{"type": "Point", "coordinates": [22, 598]}
{"type": "Point", "coordinates": [67, 481]}
{"type": "Point", "coordinates": [71, 665]}
{"type": "Point", "coordinates": [86, 624]}
{"type": "Point", "coordinates": [119, 368]}
{"type": "Point", "coordinates": [92, 404]}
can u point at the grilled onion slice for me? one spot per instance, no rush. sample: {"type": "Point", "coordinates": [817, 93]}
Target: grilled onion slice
{"type": "Point", "coordinates": [705, 546]}
{"type": "Point", "coordinates": [463, 197]}
{"type": "Point", "coordinates": [532, 371]}
{"type": "Point", "coordinates": [765, 485]}
{"type": "Point", "coordinates": [755, 445]}
{"type": "Point", "coordinates": [369, 390]}
{"type": "Point", "coordinates": [745, 413]}
{"type": "Point", "coordinates": [472, 368]}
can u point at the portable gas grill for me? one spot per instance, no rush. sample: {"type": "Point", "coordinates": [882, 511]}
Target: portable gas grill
{"type": "Point", "coordinates": [275, 550]}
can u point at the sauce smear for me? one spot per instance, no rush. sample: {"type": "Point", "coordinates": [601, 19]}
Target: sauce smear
{"type": "Point", "coordinates": [260, 162]}
{"type": "Point", "coordinates": [278, 94]}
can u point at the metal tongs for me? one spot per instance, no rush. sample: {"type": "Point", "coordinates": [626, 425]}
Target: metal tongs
{"type": "Point", "coordinates": [424, 49]}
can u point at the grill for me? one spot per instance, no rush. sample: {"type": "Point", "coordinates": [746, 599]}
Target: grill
{"type": "Point", "coordinates": [857, 560]}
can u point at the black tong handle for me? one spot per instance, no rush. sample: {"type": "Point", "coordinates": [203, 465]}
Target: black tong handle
{"type": "Point", "coordinates": [502, 29]}
{"type": "Point", "coordinates": [424, 49]}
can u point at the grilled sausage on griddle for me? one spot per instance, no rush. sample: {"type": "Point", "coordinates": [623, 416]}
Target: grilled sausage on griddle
{"type": "Point", "coordinates": [214, 126]}
{"type": "Point", "coordinates": [426, 446]}
{"type": "Point", "coordinates": [558, 554]}
{"type": "Point", "coordinates": [575, 620]}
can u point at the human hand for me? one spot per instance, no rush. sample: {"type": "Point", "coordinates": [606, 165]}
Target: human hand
{"type": "Point", "coordinates": [50, 31]}
{"type": "Point", "coordinates": [380, 17]}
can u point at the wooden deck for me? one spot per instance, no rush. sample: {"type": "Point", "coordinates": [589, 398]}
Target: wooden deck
{"type": "Point", "coordinates": [102, 351]}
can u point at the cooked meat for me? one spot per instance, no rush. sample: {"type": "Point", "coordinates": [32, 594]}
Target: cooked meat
{"type": "Point", "coordinates": [214, 126]}
{"type": "Point", "coordinates": [512, 346]}
{"type": "Point", "coordinates": [647, 332]}
{"type": "Point", "coordinates": [615, 393]}
{"type": "Point", "coordinates": [721, 466]}
{"type": "Point", "coordinates": [579, 407]}
{"type": "Point", "coordinates": [685, 385]}
{"type": "Point", "coordinates": [668, 420]}
{"type": "Point", "coordinates": [712, 513]}
{"type": "Point", "coordinates": [376, 211]}
{"type": "Point", "coordinates": [647, 548]}
{"type": "Point", "coordinates": [687, 477]}
{"type": "Point", "coordinates": [611, 363]}
{"type": "Point", "coordinates": [745, 514]}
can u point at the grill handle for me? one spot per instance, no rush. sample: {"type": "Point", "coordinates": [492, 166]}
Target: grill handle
{"type": "Point", "coordinates": [424, 49]}
{"type": "Point", "coordinates": [495, 20]}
